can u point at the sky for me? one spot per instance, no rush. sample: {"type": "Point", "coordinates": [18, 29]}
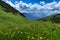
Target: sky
{"type": "Point", "coordinates": [35, 1]}
{"type": "Point", "coordinates": [35, 9]}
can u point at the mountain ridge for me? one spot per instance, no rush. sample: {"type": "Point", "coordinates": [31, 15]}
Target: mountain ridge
{"type": "Point", "coordinates": [16, 27]}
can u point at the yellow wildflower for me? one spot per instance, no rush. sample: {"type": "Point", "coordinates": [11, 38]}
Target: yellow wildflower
{"type": "Point", "coordinates": [32, 38]}
{"type": "Point", "coordinates": [13, 32]}
{"type": "Point", "coordinates": [40, 37]}
{"type": "Point", "coordinates": [47, 39]}
{"type": "Point", "coordinates": [16, 28]}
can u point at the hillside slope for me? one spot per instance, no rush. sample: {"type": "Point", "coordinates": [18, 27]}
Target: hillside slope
{"type": "Point", "coordinates": [16, 27]}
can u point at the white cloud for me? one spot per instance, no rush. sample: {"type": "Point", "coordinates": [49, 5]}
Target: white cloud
{"type": "Point", "coordinates": [9, 2]}
{"type": "Point", "coordinates": [42, 2]}
{"type": "Point", "coordinates": [46, 9]}
{"type": "Point", "coordinates": [52, 7]}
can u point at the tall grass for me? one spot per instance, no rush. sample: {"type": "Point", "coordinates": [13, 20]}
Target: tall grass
{"type": "Point", "coordinates": [16, 27]}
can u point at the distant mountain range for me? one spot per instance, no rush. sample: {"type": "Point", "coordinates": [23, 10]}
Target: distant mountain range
{"type": "Point", "coordinates": [9, 8]}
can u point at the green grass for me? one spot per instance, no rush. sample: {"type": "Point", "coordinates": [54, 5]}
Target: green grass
{"type": "Point", "coordinates": [16, 27]}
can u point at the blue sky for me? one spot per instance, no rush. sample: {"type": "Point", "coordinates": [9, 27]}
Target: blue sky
{"type": "Point", "coordinates": [36, 9]}
{"type": "Point", "coordinates": [34, 1]}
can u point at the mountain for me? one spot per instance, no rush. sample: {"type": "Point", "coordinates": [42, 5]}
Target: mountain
{"type": "Point", "coordinates": [8, 8]}
{"type": "Point", "coordinates": [16, 27]}
{"type": "Point", "coordinates": [53, 18]}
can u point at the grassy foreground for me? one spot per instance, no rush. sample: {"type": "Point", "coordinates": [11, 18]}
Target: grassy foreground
{"type": "Point", "coordinates": [16, 27]}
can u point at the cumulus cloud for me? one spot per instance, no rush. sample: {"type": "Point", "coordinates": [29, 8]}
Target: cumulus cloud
{"type": "Point", "coordinates": [42, 2]}
{"type": "Point", "coordinates": [36, 9]}
{"type": "Point", "coordinates": [9, 2]}
{"type": "Point", "coordinates": [53, 6]}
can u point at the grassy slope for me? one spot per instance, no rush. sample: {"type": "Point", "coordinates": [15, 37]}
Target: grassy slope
{"type": "Point", "coordinates": [15, 27]}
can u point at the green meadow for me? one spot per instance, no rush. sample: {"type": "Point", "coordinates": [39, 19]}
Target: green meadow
{"type": "Point", "coordinates": [16, 27]}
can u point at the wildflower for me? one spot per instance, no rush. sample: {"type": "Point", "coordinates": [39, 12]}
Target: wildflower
{"type": "Point", "coordinates": [13, 32]}
{"type": "Point", "coordinates": [32, 38]}
{"type": "Point", "coordinates": [40, 37]}
{"type": "Point", "coordinates": [21, 32]}
{"type": "Point", "coordinates": [16, 28]}
{"type": "Point", "coordinates": [47, 39]}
